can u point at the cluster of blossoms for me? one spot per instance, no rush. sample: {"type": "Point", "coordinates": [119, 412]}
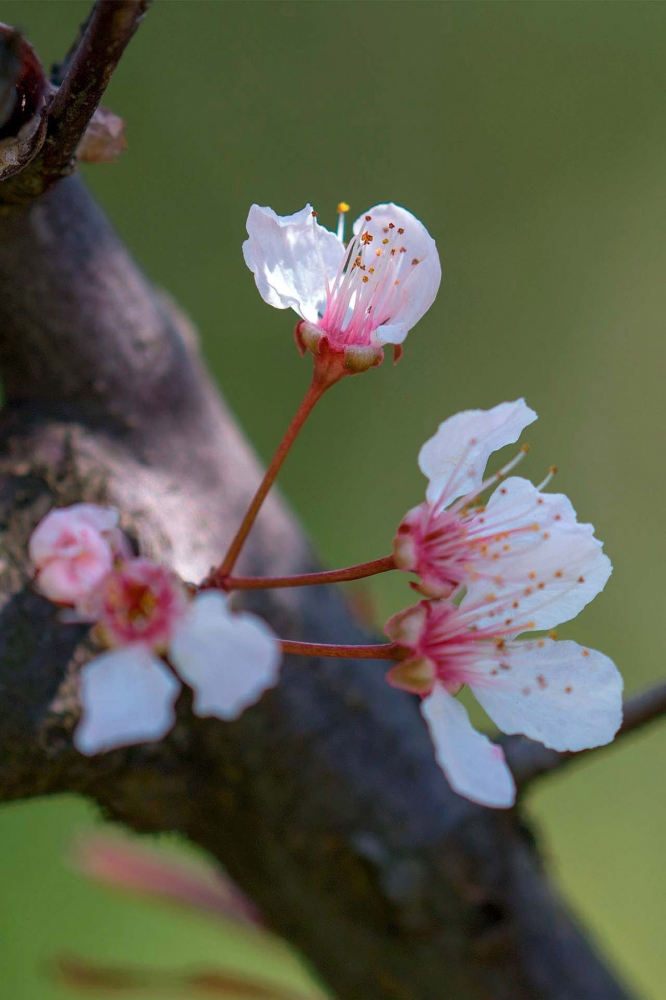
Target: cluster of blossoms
{"type": "Point", "coordinates": [489, 570]}
{"type": "Point", "coordinates": [158, 634]}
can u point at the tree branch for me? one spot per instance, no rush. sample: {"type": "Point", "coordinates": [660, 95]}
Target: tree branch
{"type": "Point", "coordinates": [89, 68]}
{"type": "Point", "coordinates": [529, 761]}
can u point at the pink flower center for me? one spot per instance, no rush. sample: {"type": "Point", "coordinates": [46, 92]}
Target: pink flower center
{"type": "Point", "coordinates": [436, 549]}
{"type": "Point", "coordinates": [141, 602]}
{"type": "Point", "coordinates": [454, 644]}
{"type": "Point", "coordinates": [367, 290]}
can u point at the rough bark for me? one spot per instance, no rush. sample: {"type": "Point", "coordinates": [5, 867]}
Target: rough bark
{"type": "Point", "coordinates": [324, 801]}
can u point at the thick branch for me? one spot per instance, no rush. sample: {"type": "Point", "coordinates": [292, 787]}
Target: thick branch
{"type": "Point", "coordinates": [529, 761]}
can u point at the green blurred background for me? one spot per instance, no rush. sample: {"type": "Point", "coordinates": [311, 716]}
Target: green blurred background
{"type": "Point", "coordinates": [531, 140]}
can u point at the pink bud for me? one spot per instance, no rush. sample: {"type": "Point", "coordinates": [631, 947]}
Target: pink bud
{"type": "Point", "coordinates": [72, 550]}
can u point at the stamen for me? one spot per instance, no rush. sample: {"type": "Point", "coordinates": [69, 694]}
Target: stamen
{"type": "Point", "coordinates": [343, 208]}
{"type": "Point", "coordinates": [496, 478]}
{"type": "Point", "coordinates": [551, 473]}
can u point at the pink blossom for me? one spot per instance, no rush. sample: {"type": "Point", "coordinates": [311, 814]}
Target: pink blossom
{"type": "Point", "coordinates": [352, 298]}
{"type": "Point", "coordinates": [72, 550]}
{"type": "Point", "coordinates": [128, 694]}
{"type": "Point", "coordinates": [557, 692]}
{"type": "Point", "coordinates": [520, 543]}
{"type": "Point", "coordinates": [141, 602]}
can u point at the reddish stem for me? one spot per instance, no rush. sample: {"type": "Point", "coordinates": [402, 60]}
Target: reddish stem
{"type": "Point", "coordinates": [316, 390]}
{"type": "Point", "coordinates": [380, 651]}
{"type": "Point", "coordinates": [357, 572]}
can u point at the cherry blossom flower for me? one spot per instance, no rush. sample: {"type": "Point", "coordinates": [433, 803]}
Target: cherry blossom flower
{"type": "Point", "coordinates": [73, 549]}
{"type": "Point", "coordinates": [352, 299]}
{"type": "Point", "coordinates": [522, 543]}
{"type": "Point", "coordinates": [128, 694]}
{"type": "Point", "coordinates": [144, 613]}
{"type": "Point", "coordinates": [557, 692]}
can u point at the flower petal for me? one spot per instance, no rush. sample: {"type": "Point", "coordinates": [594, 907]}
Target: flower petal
{"type": "Point", "coordinates": [71, 581]}
{"type": "Point", "coordinates": [455, 458]}
{"type": "Point", "coordinates": [292, 257]}
{"type": "Point", "coordinates": [128, 696]}
{"type": "Point", "coordinates": [47, 538]}
{"type": "Point", "coordinates": [420, 287]}
{"type": "Point", "coordinates": [474, 766]}
{"type": "Point", "coordinates": [540, 563]}
{"type": "Point", "coordinates": [228, 658]}
{"type": "Point", "coordinates": [395, 333]}
{"type": "Point", "coordinates": [558, 693]}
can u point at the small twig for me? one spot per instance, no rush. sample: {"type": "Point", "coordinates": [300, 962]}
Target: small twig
{"type": "Point", "coordinates": [111, 26]}
{"type": "Point", "coordinates": [376, 651]}
{"type": "Point", "coordinates": [358, 572]}
{"type": "Point", "coordinates": [529, 760]}
{"type": "Point", "coordinates": [59, 70]}
{"type": "Point", "coordinates": [89, 69]}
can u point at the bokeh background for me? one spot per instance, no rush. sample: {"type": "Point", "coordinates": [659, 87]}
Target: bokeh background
{"type": "Point", "coordinates": [531, 140]}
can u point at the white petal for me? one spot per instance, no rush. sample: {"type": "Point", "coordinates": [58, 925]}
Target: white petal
{"type": "Point", "coordinates": [455, 458]}
{"type": "Point", "coordinates": [393, 333]}
{"type": "Point", "coordinates": [420, 287]}
{"type": "Point", "coordinates": [291, 257]}
{"type": "Point", "coordinates": [547, 569]}
{"type": "Point", "coordinates": [558, 693]}
{"type": "Point", "coordinates": [228, 658]}
{"type": "Point", "coordinates": [474, 766]}
{"type": "Point", "coordinates": [127, 696]}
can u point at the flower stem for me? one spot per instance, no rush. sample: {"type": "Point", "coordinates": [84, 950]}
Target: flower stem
{"type": "Point", "coordinates": [357, 572]}
{"type": "Point", "coordinates": [316, 390]}
{"type": "Point", "coordinates": [380, 651]}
